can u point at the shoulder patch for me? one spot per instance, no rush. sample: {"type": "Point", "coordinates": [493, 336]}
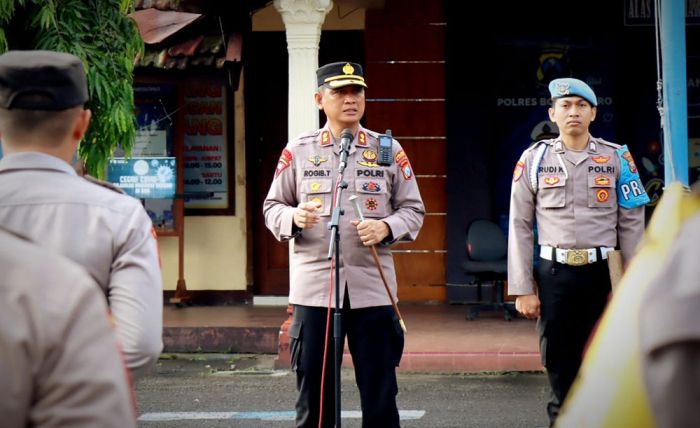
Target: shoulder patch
{"type": "Point", "coordinates": [284, 161]}
{"type": "Point", "coordinates": [103, 183]}
{"type": "Point", "coordinates": [518, 171]}
{"type": "Point", "coordinates": [404, 164]}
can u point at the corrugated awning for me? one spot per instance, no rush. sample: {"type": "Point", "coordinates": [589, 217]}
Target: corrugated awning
{"type": "Point", "coordinates": [157, 25]}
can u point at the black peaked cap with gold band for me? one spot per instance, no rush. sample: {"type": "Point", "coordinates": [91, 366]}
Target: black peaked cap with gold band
{"type": "Point", "coordinates": [339, 74]}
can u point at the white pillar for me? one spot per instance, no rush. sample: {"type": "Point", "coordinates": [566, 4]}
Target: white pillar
{"type": "Point", "coordinates": [302, 21]}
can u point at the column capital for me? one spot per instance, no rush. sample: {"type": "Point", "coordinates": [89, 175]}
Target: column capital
{"type": "Point", "coordinates": [303, 11]}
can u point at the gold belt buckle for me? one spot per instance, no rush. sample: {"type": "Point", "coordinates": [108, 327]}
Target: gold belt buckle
{"type": "Point", "coordinates": [577, 257]}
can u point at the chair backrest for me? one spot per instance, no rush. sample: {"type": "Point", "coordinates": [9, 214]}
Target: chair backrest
{"type": "Point", "coordinates": [486, 241]}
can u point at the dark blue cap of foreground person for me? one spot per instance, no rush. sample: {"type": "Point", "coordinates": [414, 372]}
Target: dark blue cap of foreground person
{"type": "Point", "coordinates": [41, 80]}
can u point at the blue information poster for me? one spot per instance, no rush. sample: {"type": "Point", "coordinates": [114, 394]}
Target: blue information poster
{"type": "Point", "coordinates": [144, 178]}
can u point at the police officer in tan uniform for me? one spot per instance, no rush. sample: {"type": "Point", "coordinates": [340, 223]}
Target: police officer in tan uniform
{"type": "Point", "coordinates": [587, 199]}
{"type": "Point", "coordinates": [42, 120]}
{"type": "Point", "coordinates": [669, 331]}
{"type": "Point", "coordinates": [298, 208]}
{"type": "Point", "coordinates": [60, 364]}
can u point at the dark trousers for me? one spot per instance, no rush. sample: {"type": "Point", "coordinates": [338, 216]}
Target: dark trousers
{"type": "Point", "coordinates": [572, 300]}
{"type": "Point", "coordinates": [376, 343]}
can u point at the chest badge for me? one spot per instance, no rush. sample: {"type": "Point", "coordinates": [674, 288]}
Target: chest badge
{"type": "Point", "coordinates": [371, 204]}
{"type": "Point", "coordinates": [602, 181]}
{"type": "Point", "coordinates": [600, 159]}
{"type": "Point", "coordinates": [317, 160]}
{"type": "Point", "coordinates": [551, 180]}
{"type": "Point", "coordinates": [371, 186]}
{"type": "Point", "coordinates": [602, 195]}
{"type": "Point", "coordinates": [369, 159]}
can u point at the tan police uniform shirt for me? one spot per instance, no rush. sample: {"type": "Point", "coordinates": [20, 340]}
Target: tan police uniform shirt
{"type": "Point", "coordinates": [575, 205]}
{"type": "Point", "coordinates": [108, 233]}
{"type": "Point", "coordinates": [60, 364]}
{"type": "Point", "coordinates": [308, 171]}
{"type": "Point", "coordinates": [669, 330]}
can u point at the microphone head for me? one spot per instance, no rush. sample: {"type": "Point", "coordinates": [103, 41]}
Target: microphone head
{"type": "Point", "coordinates": [346, 134]}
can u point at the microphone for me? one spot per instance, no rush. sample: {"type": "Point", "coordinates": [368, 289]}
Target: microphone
{"type": "Point", "coordinates": [345, 141]}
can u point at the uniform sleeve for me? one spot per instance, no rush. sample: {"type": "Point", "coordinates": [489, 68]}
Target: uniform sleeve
{"type": "Point", "coordinates": [520, 234]}
{"type": "Point", "coordinates": [281, 200]}
{"type": "Point", "coordinates": [81, 381]}
{"type": "Point", "coordinates": [406, 219]}
{"type": "Point", "coordinates": [136, 292]}
{"type": "Point", "coordinates": [630, 230]}
{"type": "Point", "coordinates": [631, 197]}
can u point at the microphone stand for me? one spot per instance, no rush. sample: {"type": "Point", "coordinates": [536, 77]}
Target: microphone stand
{"type": "Point", "coordinates": [334, 247]}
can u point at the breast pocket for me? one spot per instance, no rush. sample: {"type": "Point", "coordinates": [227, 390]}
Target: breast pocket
{"type": "Point", "coordinates": [318, 190]}
{"type": "Point", "coordinates": [373, 197]}
{"type": "Point", "coordinates": [601, 191]}
{"type": "Point", "coordinates": [552, 191]}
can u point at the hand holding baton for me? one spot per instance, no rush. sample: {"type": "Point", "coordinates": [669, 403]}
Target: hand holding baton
{"type": "Point", "coordinates": [358, 213]}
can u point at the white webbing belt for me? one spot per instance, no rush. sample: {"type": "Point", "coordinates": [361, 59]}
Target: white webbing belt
{"type": "Point", "coordinates": [562, 256]}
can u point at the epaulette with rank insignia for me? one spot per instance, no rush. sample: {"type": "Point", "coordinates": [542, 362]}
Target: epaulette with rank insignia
{"type": "Point", "coordinates": [607, 143]}
{"type": "Point", "coordinates": [103, 183]}
{"type": "Point", "coordinates": [304, 138]}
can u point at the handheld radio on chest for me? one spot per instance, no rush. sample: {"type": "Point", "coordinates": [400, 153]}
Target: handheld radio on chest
{"type": "Point", "coordinates": [384, 156]}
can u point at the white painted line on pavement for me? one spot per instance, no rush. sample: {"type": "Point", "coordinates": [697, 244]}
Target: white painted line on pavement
{"type": "Point", "coordinates": [264, 416]}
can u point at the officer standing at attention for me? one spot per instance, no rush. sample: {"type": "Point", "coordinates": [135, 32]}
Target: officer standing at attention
{"type": "Point", "coordinates": [42, 120]}
{"type": "Point", "coordinates": [587, 199]}
{"type": "Point", "coordinates": [298, 208]}
{"type": "Point", "coordinates": [60, 364]}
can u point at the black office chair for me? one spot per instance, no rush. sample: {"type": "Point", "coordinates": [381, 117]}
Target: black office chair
{"type": "Point", "coordinates": [487, 251]}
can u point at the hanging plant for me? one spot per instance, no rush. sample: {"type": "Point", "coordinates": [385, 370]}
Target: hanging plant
{"type": "Point", "coordinates": [100, 33]}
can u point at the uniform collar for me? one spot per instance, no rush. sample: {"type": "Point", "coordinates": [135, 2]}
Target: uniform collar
{"type": "Point", "coordinates": [34, 160]}
{"type": "Point", "coordinates": [592, 145]}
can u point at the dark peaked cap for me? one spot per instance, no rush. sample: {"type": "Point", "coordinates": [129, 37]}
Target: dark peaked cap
{"type": "Point", "coordinates": [339, 74]}
{"type": "Point", "coordinates": [41, 80]}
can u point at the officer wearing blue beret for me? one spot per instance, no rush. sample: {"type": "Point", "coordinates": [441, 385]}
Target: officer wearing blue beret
{"type": "Point", "coordinates": [301, 196]}
{"type": "Point", "coordinates": [587, 199]}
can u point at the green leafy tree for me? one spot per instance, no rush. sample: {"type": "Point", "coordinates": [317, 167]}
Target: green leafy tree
{"type": "Point", "coordinates": [101, 34]}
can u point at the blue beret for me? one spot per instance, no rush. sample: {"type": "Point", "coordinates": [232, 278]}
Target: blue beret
{"type": "Point", "coordinates": [339, 74]}
{"type": "Point", "coordinates": [569, 87]}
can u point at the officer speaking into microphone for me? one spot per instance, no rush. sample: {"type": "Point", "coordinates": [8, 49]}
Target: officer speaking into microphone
{"type": "Point", "coordinates": [298, 207]}
{"type": "Point", "coordinates": [587, 199]}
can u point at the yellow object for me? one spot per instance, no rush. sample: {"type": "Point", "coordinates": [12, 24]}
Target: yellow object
{"type": "Point", "coordinates": [609, 391]}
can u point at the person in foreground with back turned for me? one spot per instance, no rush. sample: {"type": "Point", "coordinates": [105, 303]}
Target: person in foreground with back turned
{"type": "Point", "coordinates": [60, 364]}
{"type": "Point", "coordinates": [297, 208]}
{"type": "Point", "coordinates": [42, 120]}
{"type": "Point", "coordinates": [587, 198]}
